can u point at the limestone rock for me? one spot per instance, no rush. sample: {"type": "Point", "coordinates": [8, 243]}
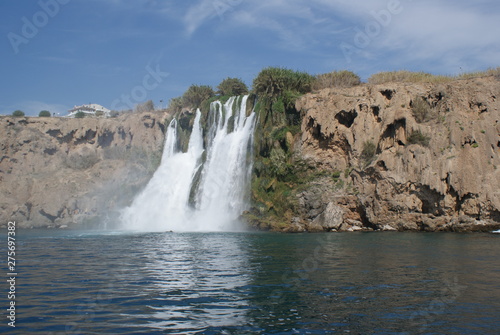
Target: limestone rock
{"type": "Point", "coordinates": [331, 218]}
{"type": "Point", "coordinates": [434, 171]}
{"type": "Point", "coordinates": [61, 172]}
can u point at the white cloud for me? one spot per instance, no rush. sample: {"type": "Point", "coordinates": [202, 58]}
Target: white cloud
{"type": "Point", "coordinates": [293, 24]}
{"type": "Point", "coordinates": [447, 34]}
{"type": "Point", "coordinates": [451, 35]}
{"type": "Point", "coordinates": [199, 14]}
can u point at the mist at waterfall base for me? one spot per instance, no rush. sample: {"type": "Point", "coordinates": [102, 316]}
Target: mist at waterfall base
{"type": "Point", "coordinates": [206, 187]}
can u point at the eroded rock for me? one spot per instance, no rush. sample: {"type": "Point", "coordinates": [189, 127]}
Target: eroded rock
{"type": "Point", "coordinates": [61, 172]}
{"type": "Point", "coordinates": [445, 180]}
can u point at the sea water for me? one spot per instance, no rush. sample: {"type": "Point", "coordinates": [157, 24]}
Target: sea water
{"type": "Point", "coordinates": [72, 282]}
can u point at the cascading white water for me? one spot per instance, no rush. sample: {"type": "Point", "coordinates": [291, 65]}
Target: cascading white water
{"type": "Point", "coordinates": [189, 194]}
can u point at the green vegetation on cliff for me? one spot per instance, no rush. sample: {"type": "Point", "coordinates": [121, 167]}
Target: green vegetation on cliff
{"type": "Point", "coordinates": [200, 96]}
{"type": "Point", "coordinates": [277, 171]}
{"type": "Point", "coordinates": [232, 87]}
{"type": "Point", "coordinates": [281, 177]}
{"type": "Point", "coordinates": [417, 137]}
{"type": "Point", "coordinates": [273, 83]}
{"type": "Point", "coordinates": [196, 94]}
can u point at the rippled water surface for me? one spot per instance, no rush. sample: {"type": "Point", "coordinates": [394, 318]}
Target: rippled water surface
{"type": "Point", "coordinates": [256, 283]}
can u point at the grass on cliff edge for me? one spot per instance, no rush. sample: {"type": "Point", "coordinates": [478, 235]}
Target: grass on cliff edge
{"type": "Point", "coordinates": [335, 79]}
{"type": "Point", "coordinates": [423, 77]}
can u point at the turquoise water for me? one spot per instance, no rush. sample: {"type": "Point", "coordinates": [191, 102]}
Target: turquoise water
{"type": "Point", "coordinates": [255, 283]}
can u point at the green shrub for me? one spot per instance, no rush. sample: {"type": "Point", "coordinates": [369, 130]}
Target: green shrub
{"type": "Point", "coordinates": [279, 134]}
{"type": "Point", "coordinates": [279, 106]}
{"type": "Point", "coordinates": [289, 98]}
{"type": "Point", "coordinates": [339, 184]}
{"type": "Point", "coordinates": [175, 104]}
{"type": "Point", "coordinates": [368, 152]}
{"type": "Point", "coordinates": [18, 113]}
{"type": "Point", "coordinates": [80, 115]}
{"type": "Point", "coordinates": [417, 137]}
{"type": "Point", "coordinates": [336, 79]}
{"type": "Point", "coordinates": [196, 94]}
{"type": "Point", "coordinates": [272, 82]}
{"type": "Point", "coordinates": [421, 110]}
{"type": "Point", "coordinates": [232, 87]}
{"type": "Point", "coordinates": [44, 113]}
{"type": "Point", "coordinates": [278, 163]}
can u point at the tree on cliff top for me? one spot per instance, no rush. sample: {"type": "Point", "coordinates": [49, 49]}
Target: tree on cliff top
{"type": "Point", "coordinates": [44, 113]}
{"type": "Point", "coordinates": [273, 82]}
{"type": "Point", "coordinates": [232, 87]}
{"type": "Point", "coordinates": [175, 104]}
{"type": "Point", "coordinates": [196, 94]}
{"type": "Point", "coordinates": [80, 115]}
{"type": "Point", "coordinates": [18, 113]}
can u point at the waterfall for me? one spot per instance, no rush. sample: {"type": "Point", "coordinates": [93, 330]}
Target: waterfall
{"type": "Point", "coordinates": [206, 187]}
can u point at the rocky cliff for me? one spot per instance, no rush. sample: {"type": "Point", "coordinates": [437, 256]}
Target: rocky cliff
{"type": "Point", "coordinates": [395, 156]}
{"type": "Point", "coordinates": [401, 157]}
{"type": "Point", "coordinates": [66, 172]}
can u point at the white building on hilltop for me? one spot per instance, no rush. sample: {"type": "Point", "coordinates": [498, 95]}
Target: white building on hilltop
{"type": "Point", "coordinates": [89, 110]}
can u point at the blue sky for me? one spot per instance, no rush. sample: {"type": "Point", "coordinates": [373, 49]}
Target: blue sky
{"type": "Point", "coordinates": [60, 53]}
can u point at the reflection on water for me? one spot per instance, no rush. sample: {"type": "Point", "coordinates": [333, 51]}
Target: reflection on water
{"type": "Point", "coordinates": [197, 279]}
{"type": "Point", "coordinates": [256, 283]}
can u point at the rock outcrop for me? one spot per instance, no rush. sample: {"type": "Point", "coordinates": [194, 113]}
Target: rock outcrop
{"type": "Point", "coordinates": [403, 156]}
{"type": "Point", "coordinates": [394, 156]}
{"type": "Point", "coordinates": [65, 172]}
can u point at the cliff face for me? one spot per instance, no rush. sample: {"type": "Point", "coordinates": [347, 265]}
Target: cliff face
{"type": "Point", "coordinates": [57, 172]}
{"type": "Point", "coordinates": [433, 164]}
{"type": "Point", "coordinates": [386, 157]}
